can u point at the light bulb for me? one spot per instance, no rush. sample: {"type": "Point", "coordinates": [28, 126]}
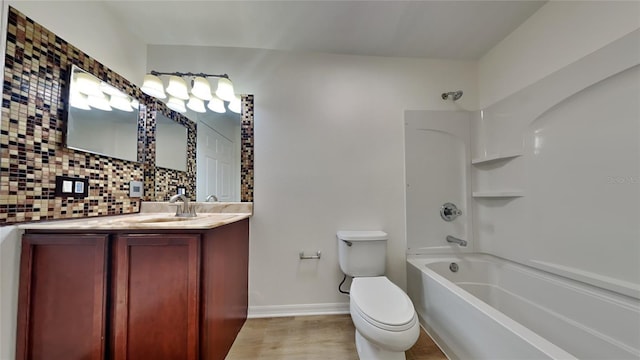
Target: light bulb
{"type": "Point", "coordinates": [217, 105]}
{"type": "Point", "coordinates": [196, 104]}
{"type": "Point", "coordinates": [201, 88]}
{"type": "Point", "coordinates": [153, 86]}
{"type": "Point", "coordinates": [225, 89]}
{"type": "Point", "coordinates": [178, 88]}
{"type": "Point", "coordinates": [236, 105]}
{"type": "Point", "coordinates": [176, 104]}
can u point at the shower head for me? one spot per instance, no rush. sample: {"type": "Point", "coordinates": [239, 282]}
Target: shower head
{"type": "Point", "coordinates": [455, 95]}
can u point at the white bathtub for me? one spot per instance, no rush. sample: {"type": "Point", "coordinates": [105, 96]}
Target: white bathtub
{"type": "Point", "coordinates": [492, 308]}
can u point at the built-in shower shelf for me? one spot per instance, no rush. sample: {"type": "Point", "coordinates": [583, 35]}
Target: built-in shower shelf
{"type": "Point", "coordinates": [496, 157]}
{"type": "Point", "coordinates": [498, 194]}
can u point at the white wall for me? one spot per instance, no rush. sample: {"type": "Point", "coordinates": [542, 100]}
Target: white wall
{"type": "Point", "coordinates": [9, 274]}
{"type": "Point", "coordinates": [329, 156]}
{"type": "Point", "coordinates": [90, 27]}
{"type": "Point", "coordinates": [558, 34]}
{"type": "Point", "coordinates": [575, 120]}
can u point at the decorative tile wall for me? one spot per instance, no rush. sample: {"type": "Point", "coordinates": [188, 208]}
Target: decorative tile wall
{"type": "Point", "coordinates": [246, 165]}
{"type": "Point", "coordinates": [32, 151]}
{"type": "Point", "coordinates": [162, 183]}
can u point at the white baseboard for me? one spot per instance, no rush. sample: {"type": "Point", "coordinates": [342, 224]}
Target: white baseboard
{"type": "Point", "coordinates": [297, 310]}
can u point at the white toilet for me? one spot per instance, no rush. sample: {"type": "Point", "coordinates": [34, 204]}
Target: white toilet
{"type": "Point", "coordinates": [385, 320]}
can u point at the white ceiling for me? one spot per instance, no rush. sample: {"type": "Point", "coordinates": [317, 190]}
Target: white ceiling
{"type": "Point", "coordinates": [447, 29]}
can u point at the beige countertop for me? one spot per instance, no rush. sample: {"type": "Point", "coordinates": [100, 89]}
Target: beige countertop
{"type": "Point", "coordinates": [155, 216]}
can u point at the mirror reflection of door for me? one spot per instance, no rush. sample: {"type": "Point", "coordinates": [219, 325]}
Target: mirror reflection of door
{"type": "Point", "coordinates": [217, 165]}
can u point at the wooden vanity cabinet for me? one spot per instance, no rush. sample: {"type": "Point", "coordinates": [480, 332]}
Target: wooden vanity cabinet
{"type": "Point", "coordinates": [133, 295]}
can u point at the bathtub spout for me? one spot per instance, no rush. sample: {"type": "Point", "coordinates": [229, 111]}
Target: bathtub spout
{"type": "Point", "coordinates": [455, 240]}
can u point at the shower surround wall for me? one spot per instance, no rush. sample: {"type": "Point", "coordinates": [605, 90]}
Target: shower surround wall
{"type": "Point", "coordinates": [554, 171]}
{"type": "Point", "coordinates": [31, 135]}
{"type": "Point", "coordinates": [578, 134]}
{"type": "Point", "coordinates": [438, 170]}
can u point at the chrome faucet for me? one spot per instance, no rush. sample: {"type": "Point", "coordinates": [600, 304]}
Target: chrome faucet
{"type": "Point", "coordinates": [215, 198]}
{"type": "Point", "coordinates": [455, 240]}
{"type": "Point", "coordinates": [185, 210]}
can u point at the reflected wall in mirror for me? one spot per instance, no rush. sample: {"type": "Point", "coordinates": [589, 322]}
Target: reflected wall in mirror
{"type": "Point", "coordinates": [100, 118]}
{"type": "Point", "coordinates": [171, 143]}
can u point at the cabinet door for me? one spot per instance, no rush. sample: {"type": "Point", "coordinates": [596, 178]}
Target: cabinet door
{"type": "Point", "coordinates": [156, 297]}
{"type": "Point", "coordinates": [61, 306]}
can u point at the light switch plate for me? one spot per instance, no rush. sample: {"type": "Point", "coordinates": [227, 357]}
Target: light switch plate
{"type": "Point", "coordinates": [69, 186]}
{"type": "Point", "coordinates": [136, 189]}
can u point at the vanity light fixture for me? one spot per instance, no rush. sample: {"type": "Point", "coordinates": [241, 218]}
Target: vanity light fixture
{"type": "Point", "coordinates": [201, 88]}
{"type": "Point", "coordinates": [235, 105]}
{"type": "Point", "coordinates": [153, 86]}
{"type": "Point", "coordinates": [100, 102]}
{"type": "Point", "coordinates": [87, 92]}
{"type": "Point", "coordinates": [178, 91]}
{"type": "Point", "coordinates": [196, 104]}
{"type": "Point", "coordinates": [178, 88]}
{"type": "Point", "coordinates": [225, 89]}
{"type": "Point", "coordinates": [117, 99]}
{"type": "Point", "coordinates": [176, 105]}
{"type": "Point", "coordinates": [79, 100]}
{"type": "Point", "coordinates": [87, 84]}
{"type": "Point", "coordinates": [120, 103]}
{"type": "Point", "coordinates": [216, 104]}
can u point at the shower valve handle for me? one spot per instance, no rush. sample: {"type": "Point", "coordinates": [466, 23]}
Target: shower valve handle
{"type": "Point", "coordinates": [449, 212]}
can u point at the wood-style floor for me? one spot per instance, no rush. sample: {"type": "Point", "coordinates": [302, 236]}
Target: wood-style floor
{"type": "Point", "coordinates": [311, 337]}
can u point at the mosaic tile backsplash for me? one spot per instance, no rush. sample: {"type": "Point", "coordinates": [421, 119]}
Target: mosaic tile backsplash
{"type": "Point", "coordinates": [162, 183]}
{"type": "Point", "coordinates": [32, 151]}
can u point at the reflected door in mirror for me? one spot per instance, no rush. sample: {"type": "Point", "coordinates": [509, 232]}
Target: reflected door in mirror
{"type": "Point", "coordinates": [216, 161]}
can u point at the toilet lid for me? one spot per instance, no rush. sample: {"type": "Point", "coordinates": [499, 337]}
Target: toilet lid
{"type": "Point", "coordinates": [381, 301]}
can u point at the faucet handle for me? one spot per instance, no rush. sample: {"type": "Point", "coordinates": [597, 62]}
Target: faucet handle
{"type": "Point", "coordinates": [178, 208]}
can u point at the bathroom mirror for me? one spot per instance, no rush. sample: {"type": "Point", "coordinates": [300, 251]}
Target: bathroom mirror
{"type": "Point", "coordinates": [219, 153]}
{"type": "Point", "coordinates": [171, 143]}
{"type": "Point", "coordinates": [100, 119]}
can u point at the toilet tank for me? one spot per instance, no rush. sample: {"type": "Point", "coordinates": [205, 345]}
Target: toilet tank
{"type": "Point", "coordinates": [362, 253]}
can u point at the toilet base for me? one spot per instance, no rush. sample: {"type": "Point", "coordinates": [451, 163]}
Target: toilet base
{"type": "Point", "coordinates": [369, 351]}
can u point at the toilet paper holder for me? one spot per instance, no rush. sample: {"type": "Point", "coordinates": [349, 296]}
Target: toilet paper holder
{"type": "Point", "coordinates": [309, 257]}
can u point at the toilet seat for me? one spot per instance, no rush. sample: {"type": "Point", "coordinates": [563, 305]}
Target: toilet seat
{"type": "Point", "coordinates": [382, 304]}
